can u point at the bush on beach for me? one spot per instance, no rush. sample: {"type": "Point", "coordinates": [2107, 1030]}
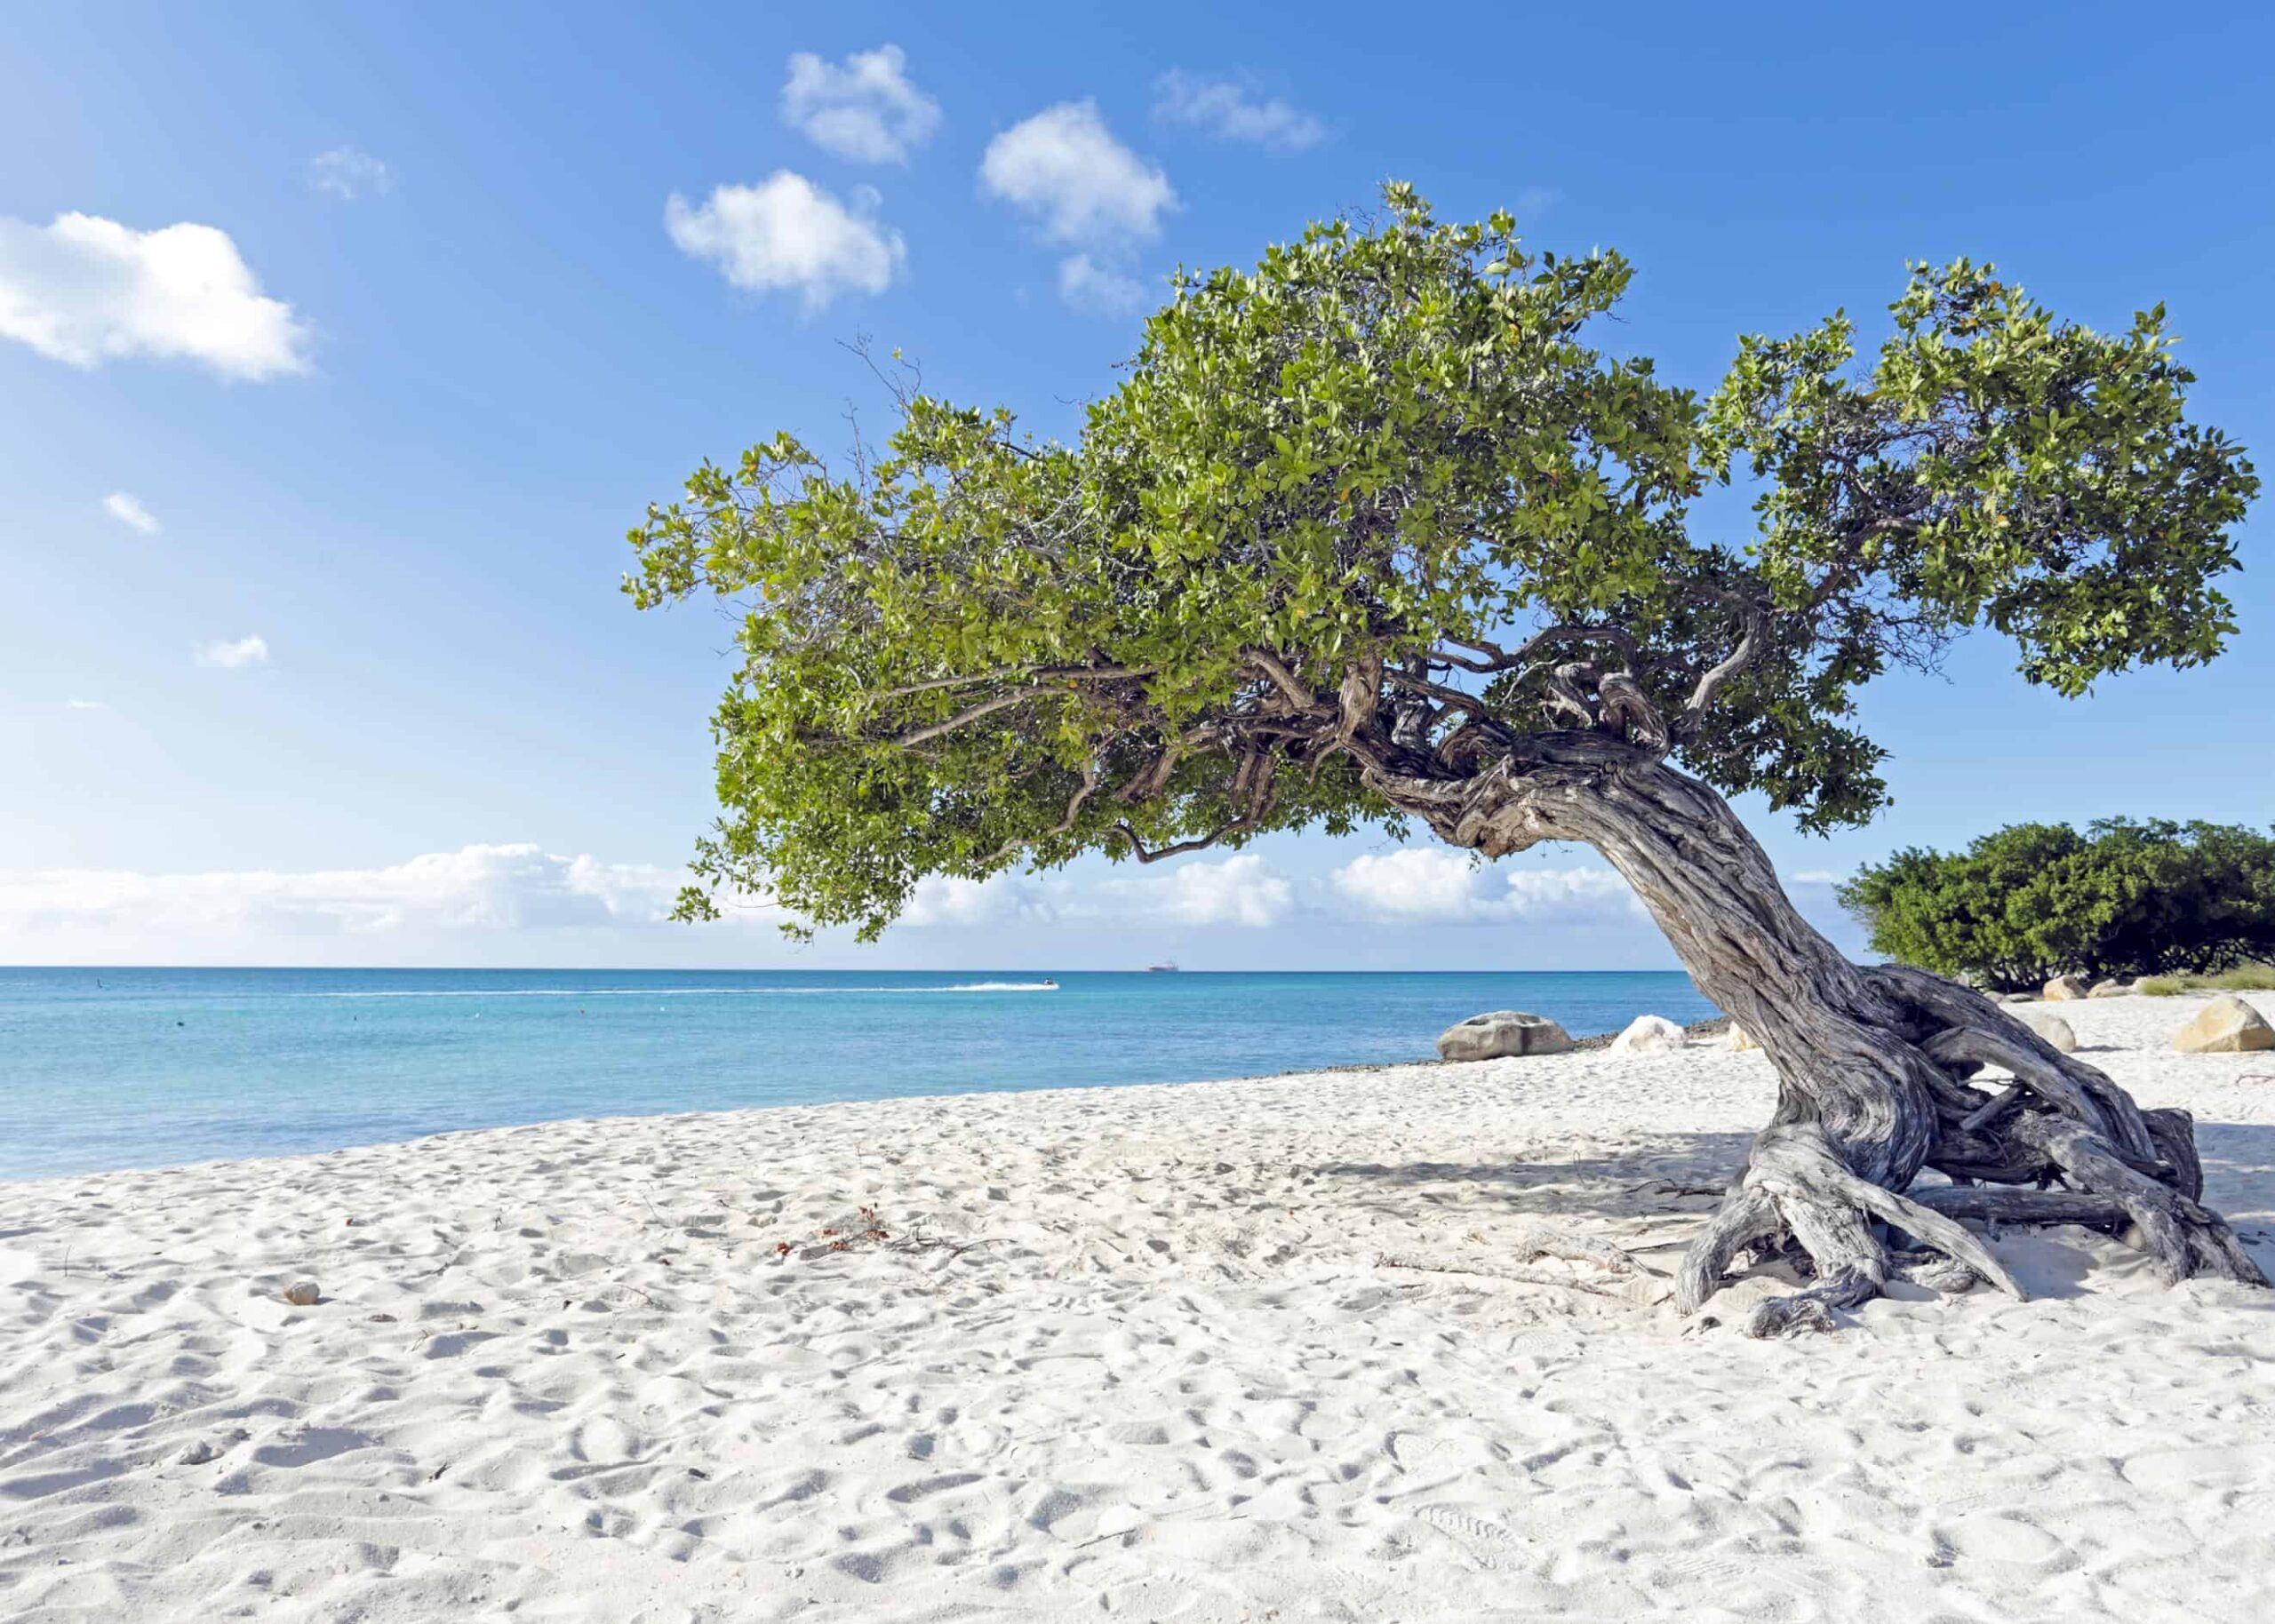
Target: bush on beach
{"type": "Point", "coordinates": [2243, 978]}
{"type": "Point", "coordinates": [2124, 899]}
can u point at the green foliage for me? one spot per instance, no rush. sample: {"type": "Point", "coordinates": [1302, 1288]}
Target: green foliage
{"type": "Point", "coordinates": [2003, 468]}
{"type": "Point", "coordinates": [967, 650]}
{"type": "Point", "coordinates": [2033, 901]}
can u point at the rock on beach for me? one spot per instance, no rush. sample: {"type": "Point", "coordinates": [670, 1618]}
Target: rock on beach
{"type": "Point", "coordinates": [1501, 1033]}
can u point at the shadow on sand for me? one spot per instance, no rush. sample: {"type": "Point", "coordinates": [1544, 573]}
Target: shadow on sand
{"type": "Point", "coordinates": [1666, 1181]}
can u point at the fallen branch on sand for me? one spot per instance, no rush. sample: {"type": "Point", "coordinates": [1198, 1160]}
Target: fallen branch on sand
{"type": "Point", "coordinates": [1532, 1244]}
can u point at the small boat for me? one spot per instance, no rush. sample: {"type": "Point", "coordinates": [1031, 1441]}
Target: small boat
{"type": "Point", "coordinates": [1156, 969]}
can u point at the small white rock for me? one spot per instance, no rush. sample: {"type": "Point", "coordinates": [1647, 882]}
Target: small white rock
{"type": "Point", "coordinates": [1650, 1035]}
{"type": "Point", "coordinates": [302, 1293]}
{"type": "Point", "coordinates": [197, 1453]}
{"type": "Point", "coordinates": [1739, 1041]}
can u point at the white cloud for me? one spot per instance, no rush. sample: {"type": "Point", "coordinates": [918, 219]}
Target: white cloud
{"type": "Point", "coordinates": [233, 654]}
{"type": "Point", "coordinates": [84, 705]}
{"type": "Point", "coordinates": [942, 900]}
{"type": "Point", "coordinates": [1431, 884]}
{"type": "Point", "coordinates": [788, 232]}
{"type": "Point", "coordinates": [1064, 167]}
{"type": "Point", "coordinates": [1243, 891]}
{"type": "Point", "coordinates": [348, 173]}
{"type": "Point", "coordinates": [1223, 107]}
{"type": "Point", "coordinates": [1412, 885]}
{"type": "Point", "coordinates": [1815, 877]}
{"type": "Point", "coordinates": [501, 894]}
{"type": "Point", "coordinates": [866, 110]}
{"type": "Point", "coordinates": [85, 290]}
{"type": "Point", "coordinates": [1089, 286]}
{"type": "Point", "coordinates": [130, 512]}
{"type": "Point", "coordinates": [475, 888]}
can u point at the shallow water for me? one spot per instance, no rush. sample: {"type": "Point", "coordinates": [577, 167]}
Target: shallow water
{"type": "Point", "coordinates": [102, 1069]}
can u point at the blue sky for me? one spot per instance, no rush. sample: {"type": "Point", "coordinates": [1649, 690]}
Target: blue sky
{"type": "Point", "coordinates": [486, 347]}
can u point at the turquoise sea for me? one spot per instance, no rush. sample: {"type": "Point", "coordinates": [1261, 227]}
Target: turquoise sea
{"type": "Point", "coordinates": [130, 1068]}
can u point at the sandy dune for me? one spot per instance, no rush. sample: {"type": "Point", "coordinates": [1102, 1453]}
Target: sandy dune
{"type": "Point", "coordinates": [1126, 1352]}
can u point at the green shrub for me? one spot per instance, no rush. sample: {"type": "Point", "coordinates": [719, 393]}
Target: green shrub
{"type": "Point", "coordinates": [2243, 978]}
{"type": "Point", "coordinates": [2033, 901]}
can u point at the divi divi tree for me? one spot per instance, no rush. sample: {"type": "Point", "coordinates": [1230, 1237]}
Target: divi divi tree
{"type": "Point", "coordinates": [1375, 534]}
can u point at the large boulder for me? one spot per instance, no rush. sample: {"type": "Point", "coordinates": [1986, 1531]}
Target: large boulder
{"type": "Point", "coordinates": [2063, 987]}
{"type": "Point", "coordinates": [2111, 988]}
{"type": "Point", "coordinates": [2227, 1025]}
{"type": "Point", "coordinates": [1650, 1035]}
{"type": "Point", "coordinates": [2053, 1028]}
{"type": "Point", "coordinates": [1503, 1032]}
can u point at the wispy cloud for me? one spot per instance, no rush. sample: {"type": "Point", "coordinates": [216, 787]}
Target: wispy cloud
{"type": "Point", "coordinates": [948, 901]}
{"type": "Point", "coordinates": [1535, 201]}
{"type": "Point", "coordinates": [1229, 109]}
{"type": "Point", "coordinates": [1429, 885]}
{"type": "Point", "coordinates": [83, 290]}
{"type": "Point", "coordinates": [348, 173]}
{"type": "Point", "coordinates": [1089, 286]}
{"type": "Point", "coordinates": [84, 705]}
{"type": "Point", "coordinates": [475, 888]}
{"type": "Point", "coordinates": [421, 906]}
{"type": "Point", "coordinates": [1064, 169]}
{"type": "Point", "coordinates": [233, 654]}
{"type": "Point", "coordinates": [1416, 886]}
{"type": "Point", "coordinates": [130, 512]}
{"type": "Point", "coordinates": [1243, 891]}
{"type": "Point", "coordinates": [865, 109]}
{"type": "Point", "coordinates": [788, 233]}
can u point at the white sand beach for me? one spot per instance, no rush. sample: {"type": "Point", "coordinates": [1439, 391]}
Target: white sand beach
{"type": "Point", "coordinates": [1122, 1353]}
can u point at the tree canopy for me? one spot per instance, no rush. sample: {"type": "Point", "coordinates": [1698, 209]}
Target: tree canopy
{"type": "Point", "coordinates": [2032, 900]}
{"type": "Point", "coordinates": [1385, 503]}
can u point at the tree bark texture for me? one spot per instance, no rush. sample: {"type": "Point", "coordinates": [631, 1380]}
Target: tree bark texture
{"type": "Point", "coordinates": [1874, 1062]}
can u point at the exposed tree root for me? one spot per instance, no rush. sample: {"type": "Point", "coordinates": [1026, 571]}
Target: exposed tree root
{"type": "Point", "coordinates": [1873, 1064]}
{"type": "Point", "coordinates": [1794, 1182]}
{"type": "Point", "coordinates": [2060, 1122]}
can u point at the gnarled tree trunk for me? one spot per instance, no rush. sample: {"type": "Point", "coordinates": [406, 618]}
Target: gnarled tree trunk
{"type": "Point", "coordinates": [1872, 1062]}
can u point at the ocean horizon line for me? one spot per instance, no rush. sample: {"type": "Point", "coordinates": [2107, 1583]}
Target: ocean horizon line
{"type": "Point", "coordinates": [833, 970]}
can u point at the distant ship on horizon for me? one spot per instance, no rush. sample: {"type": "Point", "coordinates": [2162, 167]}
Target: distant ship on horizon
{"type": "Point", "coordinates": [1156, 969]}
